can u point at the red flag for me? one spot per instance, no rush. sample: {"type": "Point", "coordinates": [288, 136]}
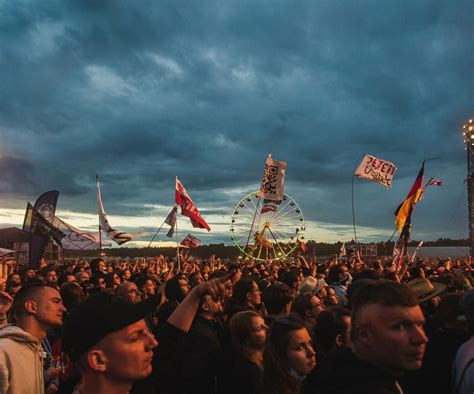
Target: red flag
{"type": "Point", "coordinates": [188, 208]}
{"type": "Point", "coordinates": [191, 242]}
{"type": "Point", "coordinates": [304, 247]}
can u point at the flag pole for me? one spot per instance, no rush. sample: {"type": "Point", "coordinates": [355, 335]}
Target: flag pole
{"type": "Point", "coordinates": [177, 242]}
{"type": "Point", "coordinates": [100, 227]}
{"type": "Point", "coordinates": [157, 231]}
{"type": "Point", "coordinates": [353, 211]}
{"type": "Point", "coordinates": [177, 246]}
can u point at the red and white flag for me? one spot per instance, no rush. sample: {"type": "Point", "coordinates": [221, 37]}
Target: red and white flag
{"type": "Point", "coordinates": [190, 241]}
{"type": "Point", "coordinates": [434, 181]}
{"type": "Point", "coordinates": [270, 206]}
{"type": "Point", "coordinates": [188, 208]}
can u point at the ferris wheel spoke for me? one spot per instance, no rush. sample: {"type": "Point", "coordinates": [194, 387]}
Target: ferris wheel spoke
{"type": "Point", "coordinates": [276, 241]}
{"type": "Point", "coordinates": [287, 213]}
{"type": "Point", "coordinates": [241, 239]}
{"type": "Point", "coordinates": [287, 220]}
{"type": "Point", "coordinates": [253, 203]}
{"type": "Point", "coordinates": [259, 251]}
{"type": "Point", "coordinates": [281, 235]}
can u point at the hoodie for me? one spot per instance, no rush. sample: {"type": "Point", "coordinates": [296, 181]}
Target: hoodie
{"type": "Point", "coordinates": [21, 362]}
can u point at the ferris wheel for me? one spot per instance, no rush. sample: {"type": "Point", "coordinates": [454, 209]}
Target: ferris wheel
{"type": "Point", "coordinates": [267, 230]}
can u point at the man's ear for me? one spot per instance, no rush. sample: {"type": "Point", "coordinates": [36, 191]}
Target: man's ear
{"type": "Point", "coordinates": [205, 307]}
{"type": "Point", "coordinates": [97, 360]}
{"type": "Point", "coordinates": [31, 307]}
{"type": "Point", "coordinates": [363, 334]}
{"type": "Point", "coordinates": [339, 340]}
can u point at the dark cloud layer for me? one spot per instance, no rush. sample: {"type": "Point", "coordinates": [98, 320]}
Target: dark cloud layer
{"type": "Point", "coordinates": [139, 92]}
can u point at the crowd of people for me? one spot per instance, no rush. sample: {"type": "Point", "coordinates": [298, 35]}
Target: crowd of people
{"type": "Point", "coordinates": [208, 326]}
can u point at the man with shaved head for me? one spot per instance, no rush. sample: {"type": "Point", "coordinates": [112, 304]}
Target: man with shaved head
{"type": "Point", "coordinates": [387, 341]}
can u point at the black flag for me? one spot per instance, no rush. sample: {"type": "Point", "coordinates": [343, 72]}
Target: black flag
{"type": "Point", "coordinates": [45, 205]}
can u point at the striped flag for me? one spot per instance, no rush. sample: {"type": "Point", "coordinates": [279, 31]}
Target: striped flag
{"type": "Point", "coordinates": [170, 232]}
{"type": "Point", "coordinates": [270, 206]}
{"type": "Point", "coordinates": [405, 209]}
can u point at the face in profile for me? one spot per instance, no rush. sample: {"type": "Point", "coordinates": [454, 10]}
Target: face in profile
{"type": "Point", "coordinates": [128, 352]}
{"type": "Point", "coordinates": [258, 332]}
{"type": "Point", "coordinates": [49, 307]}
{"type": "Point", "coordinates": [300, 354]}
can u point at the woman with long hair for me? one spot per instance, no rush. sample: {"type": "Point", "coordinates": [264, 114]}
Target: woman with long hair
{"type": "Point", "coordinates": [248, 334]}
{"type": "Point", "coordinates": [288, 357]}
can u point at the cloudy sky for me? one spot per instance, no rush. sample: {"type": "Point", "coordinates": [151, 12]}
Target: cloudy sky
{"type": "Point", "coordinates": [142, 91]}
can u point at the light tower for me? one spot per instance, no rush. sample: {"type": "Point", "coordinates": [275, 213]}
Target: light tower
{"type": "Point", "coordinates": [468, 133]}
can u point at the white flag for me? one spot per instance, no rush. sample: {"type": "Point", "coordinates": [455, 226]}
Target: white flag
{"type": "Point", "coordinates": [118, 236]}
{"type": "Point", "coordinates": [378, 170]}
{"type": "Point", "coordinates": [416, 250]}
{"type": "Point", "coordinates": [76, 239]}
{"type": "Point", "coordinates": [273, 180]}
{"type": "Point", "coordinates": [342, 250]}
{"type": "Point", "coordinates": [5, 252]}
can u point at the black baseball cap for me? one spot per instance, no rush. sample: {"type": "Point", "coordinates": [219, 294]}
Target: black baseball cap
{"type": "Point", "coordinates": [98, 316]}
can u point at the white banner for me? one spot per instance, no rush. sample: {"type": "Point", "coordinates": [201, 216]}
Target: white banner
{"type": "Point", "coordinates": [76, 239]}
{"type": "Point", "coordinates": [273, 180]}
{"type": "Point", "coordinates": [378, 170]}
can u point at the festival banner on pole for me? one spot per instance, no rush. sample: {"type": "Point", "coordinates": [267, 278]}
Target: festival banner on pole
{"type": "Point", "coordinates": [118, 236]}
{"type": "Point", "coordinates": [39, 226]}
{"type": "Point", "coordinates": [76, 239]}
{"type": "Point", "coordinates": [188, 208]}
{"type": "Point", "coordinates": [190, 241]}
{"type": "Point", "coordinates": [46, 206]}
{"type": "Point", "coordinates": [378, 170]}
{"type": "Point", "coordinates": [273, 181]}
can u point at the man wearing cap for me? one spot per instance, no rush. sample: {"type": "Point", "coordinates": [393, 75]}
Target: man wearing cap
{"type": "Point", "coordinates": [387, 340]}
{"type": "Point", "coordinates": [37, 308]}
{"type": "Point", "coordinates": [108, 339]}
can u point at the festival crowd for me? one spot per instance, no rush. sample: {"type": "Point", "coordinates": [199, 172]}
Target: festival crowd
{"type": "Point", "coordinates": [209, 326]}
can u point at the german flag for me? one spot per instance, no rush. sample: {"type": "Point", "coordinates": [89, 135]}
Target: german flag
{"type": "Point", "coordinates": [405, 209]}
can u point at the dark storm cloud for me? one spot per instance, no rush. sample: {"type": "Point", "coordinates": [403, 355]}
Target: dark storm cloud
{"type": "Point", "coordinates": [140, 92]}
